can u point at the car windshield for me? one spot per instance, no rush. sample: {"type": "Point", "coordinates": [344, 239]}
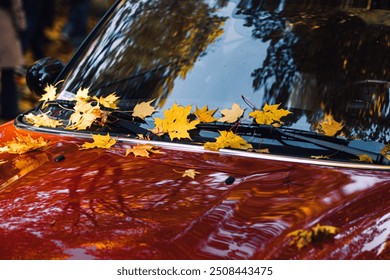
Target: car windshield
{"type": "Point", "coordinates": [325, 63]}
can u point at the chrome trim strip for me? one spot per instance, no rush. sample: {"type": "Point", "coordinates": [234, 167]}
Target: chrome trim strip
{"type": "Point", "coordinates": [200, 149]}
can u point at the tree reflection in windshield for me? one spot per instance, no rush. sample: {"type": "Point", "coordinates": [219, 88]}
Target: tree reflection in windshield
{"type": "Point", "coordinates": [315, 58]}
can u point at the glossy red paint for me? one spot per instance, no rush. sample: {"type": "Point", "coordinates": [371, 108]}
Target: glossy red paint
{"type": "Point", "coordinates": [99, 204]}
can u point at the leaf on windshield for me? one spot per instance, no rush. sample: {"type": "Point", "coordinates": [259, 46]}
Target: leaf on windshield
{"type": "Point", "coordinates": [262, 151]}
{"type": "Point", "coordinates": [188, 173]}
{"type": "Point", "coordinates": [228, 140]}
{"type": "Point", "coordinates": [82, 94]}
{"type": "Point", "coordinates": [23, 144]}
{"type": "Point", "coordinates": [143, 150]}
{"type": "Point", "coordinates": [270, 115]}
{"type": "Point", "coordinates": [99, 141]}
{"type": "Point", "coordinates": [365, 158]}
{"type": "Point", "coordinates": [386, 151]}
{"type": "Point", "coordinates": [108, 101]}
{"type": "Point", "coordinates": [317, 234]}
{"type": "Point", "coordinates": [205, 115]}
{"type": "Point", "coordinates": [42, 120]}
{"type": "Point", "coordinates": [328, 126]}
{"type": "Point", "coordinates": [51, 93]}
{"type": "Point", "coordinates": [144, 109]}
{"type": "Point", "coordinates": [175, 122]}
{"type": "Point", "coordinates": [231, 115]}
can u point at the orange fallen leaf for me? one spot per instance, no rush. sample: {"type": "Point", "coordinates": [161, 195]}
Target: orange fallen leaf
{"type": "Point", "coordinates": [228, 140]}
{"type": "Point", "coordinates": [188, 173]}
{"type": "Point", "coordinates": [23, 144]}
{"type": "Point", "coordinates": [318, 233]}
{"type": "Point", "coordinates": [143, 150]}
{"type": "Point", "coordinates": [328, 126]}
{"type": "Point", "coordinates": [270, 115]}
{"type": "Point", "coordinates": [205, 115]}
{"type": "Point", "coordinates": [108, 101]}
{"type": "Point", "coordinates": [42, 120]}
{"type": "Point", "coordinates": [175, 122]}
{"type": "Point", "coordinates": [365, 158]}
{"type": "Point", "coordinates": [99, 141]}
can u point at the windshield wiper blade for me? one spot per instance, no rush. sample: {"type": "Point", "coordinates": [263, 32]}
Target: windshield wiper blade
{"type": "Point", "coordinates": [376, 157]}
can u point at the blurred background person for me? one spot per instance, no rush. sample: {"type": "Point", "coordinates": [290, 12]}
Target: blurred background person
{"type": "Point", "coordinates": [12, 23]}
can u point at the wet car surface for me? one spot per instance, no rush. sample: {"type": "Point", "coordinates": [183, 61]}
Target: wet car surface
{"type": "Point", "coordinates": [63, 202]}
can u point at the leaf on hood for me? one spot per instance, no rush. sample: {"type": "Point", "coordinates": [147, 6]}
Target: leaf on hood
{"type": "Point", "coordinates": [318, 233]}
{"type": "Point", "coordinates": [143, 150]}
{"type": "Point", "coordinates": [51, 93]}
{"type": "Point", "coordinates": [108, 101]}
{"type": "Point", "coordinates": [328, 126]}
{"type": "Point", "coordinates": [320, 157]}
{"type": "Point", "coordinates": [2, 162]}
{"type": "Point", "coordinates": [42, 120]}
{"type": "Point", "coordinates": [175, 122]}
{"type": "Point", "coordinates": [144, 109]}
{"type": "Point", "coordinates": [205, 115]}
{"type": "Point", "coordinates": [188, 173]}
{"type": "Point", "coordinates": [231, 115]}
{"type": "Point", "coordinates": [23, 144]}
{"type": "Point", "coordinates": [270, 115]}
{"type": "Point", "coordinates": [99, 141]}
{"type": "Point", "coordinates": [228, 140]}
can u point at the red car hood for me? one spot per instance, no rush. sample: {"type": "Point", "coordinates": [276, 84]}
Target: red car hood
{"type": "Point", "coordinates": [100, 204]}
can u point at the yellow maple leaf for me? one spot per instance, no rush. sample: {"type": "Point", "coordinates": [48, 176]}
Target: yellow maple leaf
{"type": "Point", "coordinates": [365, 158]}
{"type": "Point", "coordinates": [188, 173]}
{"type": "Point", "coordinates": [99, 141]}
{"type": "Point", "coordinates": [23, 144]}
{"type": "Point", "coordinates": [385, 151]}
{"type": "Point", "coordinates": [51, 93]}
{"type": "Point", "coordinates": [231, 115]}
{"type": "Point", "coordinates": [82, 94]}
{"type": "Point", "coordinates": [143, 150]}
{"type": "Point", "coordinates": [318, 233]}
{"type": "Point", "coordinates": [329, 126]}
{"type": "Point", "coordinates": [205, 115]}
{"type": "Point", "coordinates": [228, 140]}
{"type": "Point", "coordinates": [175, 122]}
{"type": "Point", "coordinates": [42, 120]}
{"type": "Point", "coordinates": [143, 109]}
{"type": "Point", "coordinates": [108, 101]}
{"type": "Point", "coordinates": [270, 115]}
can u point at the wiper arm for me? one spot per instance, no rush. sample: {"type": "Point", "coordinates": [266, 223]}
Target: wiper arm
{"type": "Point", "coordinates": [270, 132]}
{"type": "Point", "coordinates": [376, 157]}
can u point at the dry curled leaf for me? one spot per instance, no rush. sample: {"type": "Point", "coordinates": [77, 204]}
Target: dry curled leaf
{"type": "Point", "coordinates": [99, 141]}
{"type": "Point", "coordinates": [108, 101]}
{"type": "Point", "coordinates": [144, 109]}
{"type": "Point", "coordinates": [42, 120]}
{"type": "Point", "coordinates": [205, 115]}
{"type": "Point", "coordinates": [320, 157]}
{"type": "Point", "coordinates": [365, 158]}
{"type": "Point", "coordinates": [228, 140]}
{"type": "Point", "coordinates": [143, 150]}
{"type": "Point", "coordinates": [231, 115]}
{"type": "Point", "coordinates": [175, 122]}
{"type": "Point", "coordinates": [188, 173]}
{"type": "Point", "coordinates": [328, 126]}
{"type": "Point", "coordinates": [23, 144]}
{"type": "Point", "coordinates": [270, 115]}
{"type": "Point", "coordinates": [318, 233]}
